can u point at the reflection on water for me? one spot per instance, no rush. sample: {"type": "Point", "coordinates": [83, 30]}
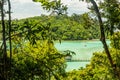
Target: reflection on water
{"type": "Point", "coordinates": [83, 50]}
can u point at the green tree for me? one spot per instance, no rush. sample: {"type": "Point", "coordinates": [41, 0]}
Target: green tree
{"type": "Point", "coordinates": [115, 40]}
{"type": "Point", "coordinates": [99, 68]}
{"type": "Point", "coordinates": [55, 6]}
{"type": "Point", "coordinates": [41, 61]}
{"type": "Point", "coordinates": [95, 9]}
{"type": "Point", "coordinates": [4, 52]}
{"type": "Point", "coordinates": [110, 11]}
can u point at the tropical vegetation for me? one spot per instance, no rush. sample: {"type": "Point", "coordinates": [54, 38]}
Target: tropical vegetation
{"type": "Point", "coordinates": [27, 49]}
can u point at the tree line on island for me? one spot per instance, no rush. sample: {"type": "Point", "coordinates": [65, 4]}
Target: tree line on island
{"type": "Point", "coordinates": [64, 27]}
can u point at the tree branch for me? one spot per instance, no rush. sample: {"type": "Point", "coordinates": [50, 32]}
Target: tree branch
{"type": "Point", "coordinates": [102, 38]}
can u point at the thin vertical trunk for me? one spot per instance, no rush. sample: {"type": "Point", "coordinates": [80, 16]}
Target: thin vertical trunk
{"type": "Point", "coordinates": [111, 28]}
{"type": "Point", "coordinates": [103, 40]}
{"type": "Point", "coordinates": [4, 41]}
{"type": "Point", "coordinates": [9, 24]}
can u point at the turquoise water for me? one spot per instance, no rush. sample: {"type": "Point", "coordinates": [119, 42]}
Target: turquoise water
{"type": "Point", "coordinates": [83, 50]}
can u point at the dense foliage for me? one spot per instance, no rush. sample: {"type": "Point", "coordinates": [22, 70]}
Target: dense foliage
{"type": "Point", "coordinates": [39, 61]}
{"type": "Point", "coordinates": [32, 54]}
{"type": "Point", "coordinates": [75, 27]}
{"type": "Point", "coordinates": [110, 11]}
{"type": "Point", "coordinates": [99, 67]}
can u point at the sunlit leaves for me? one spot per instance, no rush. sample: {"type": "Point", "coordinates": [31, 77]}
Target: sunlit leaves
{"type": "Point", "coordinates": [98, 69]}
{"type": "Point", "coordinates": [115, 40]}
{"type": "Point", "coordinates": [110, 11]}
{"type": "Point", "coordinates": [39, 60]}
{"type": "Point", "coordinates": [53, 5]}
{"type": "Point", "coordinates": [32, 30]}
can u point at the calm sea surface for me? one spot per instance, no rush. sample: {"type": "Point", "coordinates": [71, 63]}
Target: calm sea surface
{"type": "Point", "coordinates": [83, 50]}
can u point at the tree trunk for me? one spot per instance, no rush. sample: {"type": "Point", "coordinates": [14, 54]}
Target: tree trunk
{"type": "Point", "coordinates": [111, 28]}
{"type": "Point", "coordinates": [102, 38]}
{"type": "Point", "coordinates": [4, 41]}
{"type": "Point", "coordinates": [9, 24]}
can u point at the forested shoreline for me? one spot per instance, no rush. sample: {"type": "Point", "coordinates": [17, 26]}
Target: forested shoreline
{"type": "Point", "coordinates": [64, 27]}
